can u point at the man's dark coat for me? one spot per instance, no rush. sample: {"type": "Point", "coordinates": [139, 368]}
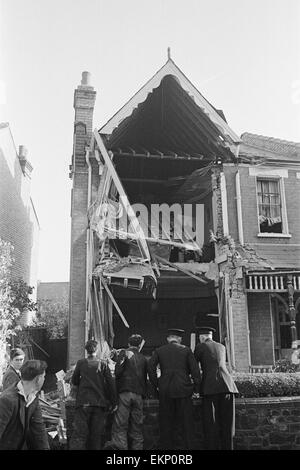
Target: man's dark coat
{"type": "Point", "coordinates": [15, 425]}
{"type": "Point", "coordinates": [11, 377]}
{"type": "Point", "coordinates": [218, 389]}
{"type": "Point", "coordinates": [175, 386]}
{"type": "Point", "coordinates": [176, 365]}
{"type": "Point", "coordinates": [216, 378]}
{"type": "Point", "coordinates": [131, 374]}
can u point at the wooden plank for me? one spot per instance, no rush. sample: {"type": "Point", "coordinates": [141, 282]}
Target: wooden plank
{"type": "Point", "coordinates": [185, 271]}
{"type": "Point", "coordinates": [131, 214]}
{"type": "Point", "coordinates": [186, 245]}
{"type": "Point", "coordinates": [115, 303]}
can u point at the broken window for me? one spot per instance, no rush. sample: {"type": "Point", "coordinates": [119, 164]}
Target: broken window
{"type": "Point", "coordinates": [269, 206]}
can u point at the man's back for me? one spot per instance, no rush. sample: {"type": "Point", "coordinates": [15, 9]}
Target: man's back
{"type": "Point", "coordinates": [176, 363]}
{"type": "Point", "coordinates": [131, 375]}
{"type": "Point", "coordinates": [92, 383]}
{"type": "Point", "coordinates": [216, 378]}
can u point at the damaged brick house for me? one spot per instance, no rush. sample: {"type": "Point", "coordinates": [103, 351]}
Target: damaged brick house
{"type": "Point", "coordinates": [236, 268]}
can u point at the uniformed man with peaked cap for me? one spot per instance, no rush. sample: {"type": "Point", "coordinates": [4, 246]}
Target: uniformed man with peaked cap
{"type": "Point", "coordinates": [218, 389]}
{"type": "Point", "coordinates": [180, 377]}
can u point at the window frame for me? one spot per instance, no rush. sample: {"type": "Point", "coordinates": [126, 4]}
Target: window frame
{"type": "Point", "coordinates": [285, 229]}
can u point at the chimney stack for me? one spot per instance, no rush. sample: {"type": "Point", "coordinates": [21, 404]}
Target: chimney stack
{"type": "Point", "coordinates": [25, 164]}
{"type": "Point", "coordinates": [84, 102]}
{"type": "Point", "coordinates": [86, 79]}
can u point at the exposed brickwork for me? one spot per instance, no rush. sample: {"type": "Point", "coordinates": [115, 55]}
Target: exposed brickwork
{"type": "Point", "coordinates": [249, 206]}
{"type": "Point", "coordinates": [216, 171]}
{"type": "Point", "coordinates": [78, 267]}
{"type": "Point", "coordinates": [18, 222]}
{"type": "Point", "coordinates": [240, 326]}
{"type": "Point", "coordinates": [232, 260]}
{"type": "Point", "coordinates": [268, 423]}
{"type": "Point", "coordinates": [260, 324]}
{"type": "Point", "coordinates": [84, 100]}
{"type": "Point", "coordinates": [292, 196]}
{"type": "Point", "coordinates": [254, 257]}
{"type": "Point", "coordinates": [261, 424]}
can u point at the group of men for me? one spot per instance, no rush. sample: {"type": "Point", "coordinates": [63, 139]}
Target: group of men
{"type": "Point", "coordinates": [174, 373]}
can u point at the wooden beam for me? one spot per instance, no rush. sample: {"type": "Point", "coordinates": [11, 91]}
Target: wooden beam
{"type": "Point", "coordinates": [114, 303]}
{"type": "Point", "coordinates": [158, 157]}
{"type": "Point", "coordinates": [185, 271]}
{"type": "Point", "coordinates": [191, 246]}
{"type": "Point", "coordinates": [124, 199]}
{"type": "Point", "coordinates": [141, 180]}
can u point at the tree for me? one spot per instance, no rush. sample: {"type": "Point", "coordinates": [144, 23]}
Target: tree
{"type": "Point", "coordinates": [14, 300]}
{"type": "Point", "coordinates": [8, 312]}
{"type": "Point", "coordinates": [20, 295]}
{"type": "Point", "coordinates": [53, 314]}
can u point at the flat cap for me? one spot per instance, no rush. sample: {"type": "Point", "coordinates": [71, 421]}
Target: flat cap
{"type": "Point", "coordinates": [175, 331]}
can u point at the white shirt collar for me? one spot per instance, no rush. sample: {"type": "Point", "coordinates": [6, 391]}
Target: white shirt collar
{"type": "Point", "coordinates": [30, 398]}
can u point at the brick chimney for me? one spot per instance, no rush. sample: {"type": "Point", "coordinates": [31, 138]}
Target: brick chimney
{"type": "Point", "coordinates": [24, 162]}
{"type": "Point", "coordinates": [84, 101]}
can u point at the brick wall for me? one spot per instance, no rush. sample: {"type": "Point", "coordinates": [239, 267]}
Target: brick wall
{"type": "Point", "coordinates": [240, 327]}
{"type": "Point", "coordinates": [237, 296]}
{"type": "Point", "coordinates": [76, 337]}
{"type": "Point", "coordinates": [18, 221]}
{"type": "Point", "coordinates": [267, 423]}
{"type": "Point", "coordinates": [292, 196]}
{"type": "Point", "coordinates": [261, 424]}
{"type": "Point", "coordinates": [260, 323]}
{"type": "Point", "coordinates": [84, 100]}
{"type": "Point", "coordinates": [249, 206]}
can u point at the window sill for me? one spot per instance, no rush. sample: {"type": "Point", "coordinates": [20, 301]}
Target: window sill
{"type": "Point", "coordinates": [274, 235]}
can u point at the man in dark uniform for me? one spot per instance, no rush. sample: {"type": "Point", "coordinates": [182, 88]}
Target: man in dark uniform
{"type": "Point", "coordinates": [218, 389]}
{"type": "Point", "coordinates": [175, 389]}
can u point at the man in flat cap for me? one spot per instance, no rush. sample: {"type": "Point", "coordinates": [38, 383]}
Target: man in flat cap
{"type": "Point", "coordinates": [175, 387]}
{"type": "Point", "coordinates": [218, 389]}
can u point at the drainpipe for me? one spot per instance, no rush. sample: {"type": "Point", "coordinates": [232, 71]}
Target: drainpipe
{"type": "Point", "coordinates": [231, 333]}
{"type": "Point", "coordinates": [239, 202]}
{"type": "Point", "coordinates": [241, 235]}
{"type": "Point", "coordinates": [87, 292]}
{"type": "Point", "coordinates": [239, 207]}
{"type": "Point", "coordinates": [224, 204]}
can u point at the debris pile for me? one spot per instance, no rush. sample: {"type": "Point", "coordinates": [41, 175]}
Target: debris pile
{"type": "Point", "coordinates": [54, 411]}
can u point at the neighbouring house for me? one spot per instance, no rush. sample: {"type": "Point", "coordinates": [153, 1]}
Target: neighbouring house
{"type": "Point", "coordinates": [167, 160]}
{"type": "Point", "coordinates": [19, 223]}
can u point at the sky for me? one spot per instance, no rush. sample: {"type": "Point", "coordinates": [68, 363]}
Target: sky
{"type": "Point", "coordinates": [242, 55]}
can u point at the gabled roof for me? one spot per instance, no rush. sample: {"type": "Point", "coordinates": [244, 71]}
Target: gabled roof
{"type": "Point", "coordinates": [170, 68]}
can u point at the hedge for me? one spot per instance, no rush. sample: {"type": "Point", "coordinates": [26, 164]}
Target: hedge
{"type": "Point", "coordinates": [275, 384]}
